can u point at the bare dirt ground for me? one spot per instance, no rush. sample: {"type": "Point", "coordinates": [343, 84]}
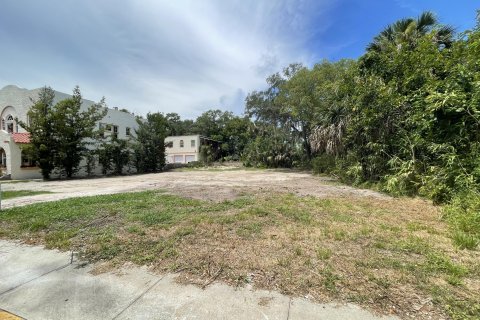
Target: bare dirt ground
{"type": "Point", "coordinates": [215, 185]}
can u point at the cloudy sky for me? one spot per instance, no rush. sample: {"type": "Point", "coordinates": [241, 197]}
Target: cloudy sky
{"type": "Point", "coordinates": [188, 56]}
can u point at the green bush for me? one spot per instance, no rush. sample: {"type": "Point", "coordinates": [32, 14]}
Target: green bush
{"type": "Point", "coordinates": [350, 170]}
{"type": "Point", "coordinates": [323, 164]}
{"type": "Point", "coordinates": [463, 213]}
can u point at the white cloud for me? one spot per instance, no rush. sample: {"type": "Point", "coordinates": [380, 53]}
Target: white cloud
{"type": "Point", "coordinates": [170, 56]}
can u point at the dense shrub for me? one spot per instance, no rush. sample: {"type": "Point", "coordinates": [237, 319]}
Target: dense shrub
{"type": "Point", "coordinates": [463, 213]}
{"type": "Point", "coordinates": [323, 164]}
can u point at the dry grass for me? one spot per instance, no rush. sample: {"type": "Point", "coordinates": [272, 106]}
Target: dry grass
{"type": "Point", "coordinates": [390, 255]}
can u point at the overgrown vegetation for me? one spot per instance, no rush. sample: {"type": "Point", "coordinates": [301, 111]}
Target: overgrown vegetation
{"type": "Point", "coordinates": [404, 116]}
{"type": "Point", "coordinates": [392, 255]}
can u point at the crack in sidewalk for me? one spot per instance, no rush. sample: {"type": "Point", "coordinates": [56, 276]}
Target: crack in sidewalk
{"type": "Point", "coordinates": [31, 280]}
{"type": "Point", "coordinates": [137, 298]}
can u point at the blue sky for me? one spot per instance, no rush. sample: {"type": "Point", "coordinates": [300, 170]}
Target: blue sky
{"type": "Point", "coordinates": [188, 56]}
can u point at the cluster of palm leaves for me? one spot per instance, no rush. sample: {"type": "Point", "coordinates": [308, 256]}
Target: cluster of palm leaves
{"type": "Point", "coordinates": [406, 31]}
{"type": "Point", "coordinates": [329, 137]}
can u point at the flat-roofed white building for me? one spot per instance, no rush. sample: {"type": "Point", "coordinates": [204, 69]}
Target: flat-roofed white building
{"type": "Point", "coordinates": [15, 103]}
{"type": "Point", "coordinates": [182, 149]}
{"type": "Point", "coordinates": [185, 149]}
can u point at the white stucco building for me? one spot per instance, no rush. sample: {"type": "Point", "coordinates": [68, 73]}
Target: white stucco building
{"type": "Point", "coordinates": [15, 103]}
{"type": "Point", "coordinates": [182, 149]}
{"type": "Point", "coordinates": [185, 149]}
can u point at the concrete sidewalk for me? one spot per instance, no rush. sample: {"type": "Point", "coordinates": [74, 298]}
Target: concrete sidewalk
{"type": "Point", "coordinates": [42, 284]}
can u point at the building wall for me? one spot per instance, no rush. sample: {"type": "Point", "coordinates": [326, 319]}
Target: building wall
{"type": "Point", "coordinates": [5, 140]}
{"type": "Point", "coordinates": [121, 119]}
{"type": "Point", "coordinates": [17, 101]}
{"type": "Point", "coordinates": [187, 153]}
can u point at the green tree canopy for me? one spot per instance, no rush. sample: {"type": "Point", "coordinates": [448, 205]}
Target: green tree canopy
{"type": "Point", "coordinates": [150, 147]}
{"type": "Point", "coordinates": [43, 141]}
{"type": "Point", "coordinates": [74, 130]}
{"type": "Point", "coordinates": [61, 133]}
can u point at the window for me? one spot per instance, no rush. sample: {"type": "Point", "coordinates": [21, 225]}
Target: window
{"type": "Point", "coordinates": [127, 131]}
{"type": "Point", "coordinates": [115, 131]}
{"type": "Point", "coordinates": [101, 128]}
{"type": "Point", "coordinates": [192, 143]}
{"type": "Point", "coordinates": [181, 143]}
{"type": "Point", "coordinates": [27, 161]}
{"type": "Point", "coordinates": [9, 122]}
{"type": "Point", "coordinates": [169, 144]}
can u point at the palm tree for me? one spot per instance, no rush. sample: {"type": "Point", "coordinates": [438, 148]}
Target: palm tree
{"type": "Point", "coordinates": [406, 31]}
{"type": "Point", "coordinates": [328, 136]}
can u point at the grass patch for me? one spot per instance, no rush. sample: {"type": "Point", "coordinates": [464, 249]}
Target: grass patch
{"type": "Point", "coordinates": [442, 264]}
{"type": "Point", "coordinates": [324, 253]}
{"type": "Point", "coordinates": [249, 230]}
{"type": "Point", "coordinates": [465, 240]}
{"type": "Point", "coordinates": [20, 193]}
{"type": "Point", "coordinates": [20, 181]}
{"type": "Point", "coordinates": [363, 250]}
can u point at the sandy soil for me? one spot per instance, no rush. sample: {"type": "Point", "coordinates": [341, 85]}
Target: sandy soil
{"type": "Point", "coordinates": [215, 185]}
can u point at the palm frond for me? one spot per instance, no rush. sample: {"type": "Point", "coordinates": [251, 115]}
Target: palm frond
{"type": "Point", "coordinates": [402, 25]}
{"type": "Point", "coordinates": [444, 35]}
{"type": "Point", "coordinates": [426, 21]}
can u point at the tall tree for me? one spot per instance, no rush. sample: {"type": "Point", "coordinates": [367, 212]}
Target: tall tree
{"type": "Point", "coordinates": [150, 147]}
{"type": "Point", "coordinates": [211, 123]}
{"type": "Point", "coordinates": [113, 155]}
{"type": "Point", "coordinates": [74, 130]}
{"type": "Point", "coordinates": [271, 112]}
{"type": "Point", "coordinates": [43, 141]}
{"type": "Point", "coordinates": [237, 133]}
{"type": "Point", "coordinates": [334, 91]}
{"type": "Point", "coordinates": [178, 127]}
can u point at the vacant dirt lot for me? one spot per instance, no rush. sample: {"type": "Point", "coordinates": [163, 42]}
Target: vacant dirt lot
{"type": "Point", "coordinates": [213, 184]}
{"type": "Point", "coordinates": [302, 235]}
